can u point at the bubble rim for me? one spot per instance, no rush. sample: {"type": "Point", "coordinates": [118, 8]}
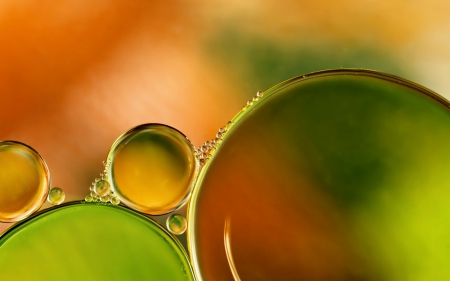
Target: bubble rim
{"type": "Point", "coordinates": [191, 208]}
{"type": "Point", "coordinates": [123, 137]}
{"type": "Point", "coordinates": [121, 206]}
{"type": "Point", "coordinates": [46, 190]}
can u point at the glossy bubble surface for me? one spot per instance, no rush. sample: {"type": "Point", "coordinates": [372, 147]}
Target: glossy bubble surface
{"type": "Point", "coordinates": [152, 168]}
{"type": "Point", "coordinates": [24, 181]}
{"type": "Point", "coordinates": [339, 175]}
{"type": "Point", "coordinates": [176, 224]}
{"type": "Point", "coordinates": [91, 242]}
{"type": "Point", "coordinates": [56, 196]}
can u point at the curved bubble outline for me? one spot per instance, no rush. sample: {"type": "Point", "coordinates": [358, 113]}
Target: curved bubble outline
{"type": "Point", "coordinates": [267, 94]}
{"type": "Point", "coordinates": [137, 128]}
{"type": "Point", "coordinates": [126, 208]}
{"type": "Point", "coordinates": [41, 200]}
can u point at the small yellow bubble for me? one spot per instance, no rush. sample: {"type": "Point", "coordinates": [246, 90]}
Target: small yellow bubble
{"type": "Point", "coordinates": [102, 188]}
{"type": "Point", "coordinates": [115, 200]}
{"type": "Point", "coordinates": [176, 224]}
{"type": "Point", "coordinates": [56, 196]}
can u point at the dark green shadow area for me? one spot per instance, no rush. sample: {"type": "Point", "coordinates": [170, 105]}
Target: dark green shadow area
{"type": "Point", "coordinates": [262, 62]}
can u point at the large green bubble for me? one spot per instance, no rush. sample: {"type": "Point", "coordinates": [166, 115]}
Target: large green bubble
{"type": "Point", "coordinates": [337, 175]}
{"type": "Point", "coordinates": [91, 242]}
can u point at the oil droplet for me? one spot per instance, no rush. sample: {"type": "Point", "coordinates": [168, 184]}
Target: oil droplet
{"type": "Point", "coordinates": [56, 196]}
{"type": "Point", "coordinates": [176, 224]}
{"type": "Point", "coordinates": [88, 198]}
{"type": "Point", "coordinates": [152, 168]}
{"type": "Point", "coordinates": [24, 181]}
{"type": "Point", "coordinates": [115, 200]}
{"type": "Point", "coordinates": [102, 188]}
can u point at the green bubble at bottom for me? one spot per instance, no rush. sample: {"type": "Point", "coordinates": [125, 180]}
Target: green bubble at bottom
{"type": "Point", "coordinates": [91, 242]}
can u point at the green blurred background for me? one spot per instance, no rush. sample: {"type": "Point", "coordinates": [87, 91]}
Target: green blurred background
{"type": "Point", "coordinates": [74, 75]}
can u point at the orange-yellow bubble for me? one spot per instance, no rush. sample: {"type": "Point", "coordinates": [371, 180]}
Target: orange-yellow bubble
{"type": "Point", "coordinates": [24, 181]}
{"type": "Point", "coordinates": [152, 168]}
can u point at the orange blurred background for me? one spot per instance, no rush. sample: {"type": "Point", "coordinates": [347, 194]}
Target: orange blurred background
{"type": "Point", "coordinates": [74, 75]}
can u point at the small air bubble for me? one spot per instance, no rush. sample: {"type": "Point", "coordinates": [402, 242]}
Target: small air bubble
{"type": "Point", "coordinates": [102, 188]}
{"type": "Point", "coordinates": [56, 196]}
{"type": "Point", "coordinates": [176, 224]}
{"type": "Point", "coordinates": [115, 200]}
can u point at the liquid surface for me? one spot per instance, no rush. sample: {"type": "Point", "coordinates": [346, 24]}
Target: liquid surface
{"type": "Point", "coordinates": [339, 176]}
{"type": "Point", "coordinates": [91, 242]}
{"type": "Point", "coordinates": [24, 181]}
{"type": "Point", "coordinates": [153, 167]}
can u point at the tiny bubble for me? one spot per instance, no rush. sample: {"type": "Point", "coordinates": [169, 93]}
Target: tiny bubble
{"type": "Point", "coordinates": [176, 224]}
{"type": "Point", "coordinates": [56, 196]}
{"type": "Point", "coordinates": [115, 200]}
{"type": "Point", "coordinates": [102, 187]}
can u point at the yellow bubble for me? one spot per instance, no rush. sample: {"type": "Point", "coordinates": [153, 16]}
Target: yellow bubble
{"type": "Point", "coordinates": [102, 188]}
{"type": "Point", "coordinates": [152, 168]}
{"type": "Point", "coordinates": [24, 181]}
{"type": "Point", "coordinates": [176, 224]}
{"type": "Point", "coordinates": [56, 196]}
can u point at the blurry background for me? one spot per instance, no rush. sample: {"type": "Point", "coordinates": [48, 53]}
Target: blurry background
{"type": "Point", "coordinates": [75, 74]}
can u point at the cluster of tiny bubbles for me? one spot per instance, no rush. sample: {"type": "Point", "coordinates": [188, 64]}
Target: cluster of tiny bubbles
{"type": "Point", "coordinates": [250, 102]}
{"type": "Point", "coordinates": [176, 224]}
{"type": "Point", "coordinates": [100, 189]}
{"type": "Point", "coordinates": [204, 152]}
{"type": "Point", "coordinates": [56, 196]}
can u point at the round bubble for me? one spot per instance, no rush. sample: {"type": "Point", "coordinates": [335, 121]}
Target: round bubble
{"type": "Point", "coordinates": [91, 242]}
{"type": "Point", "coordinates": [176, 224]}
{"type": "Point", "coordinates": [24, 181]}
{"type": "Point", "coordinates": [336, 175]}
{"type": "Point", "coordinates": [152, 168]}
{"type": "Point", "coordinates": [56, 196]}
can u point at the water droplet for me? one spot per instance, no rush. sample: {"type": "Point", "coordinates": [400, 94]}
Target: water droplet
{"type": "Point", "coordinates": [102, 188]}
{"type": "Point", "coordinates": [24, 181]}
{"type": "Point", "coordinates": [56, 196]}
{"type": "Point", "coordinates": [104, 199]}
{"type": "Point", "coordinates": [176, 224]}
{"type": "Point", "coordinates": [88, 198]}
{"type": "Point", "coordinates": [152, 168]}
